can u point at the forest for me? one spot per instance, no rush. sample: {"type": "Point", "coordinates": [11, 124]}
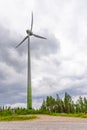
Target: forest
{"type": "Point", "coordinates": [65, 105]}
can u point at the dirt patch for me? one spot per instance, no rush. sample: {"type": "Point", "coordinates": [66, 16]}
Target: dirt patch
{"type": "Point", "coordinates": [59, 119]}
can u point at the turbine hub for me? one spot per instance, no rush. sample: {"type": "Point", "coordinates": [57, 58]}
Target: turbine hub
{"type": "Point", "coordinates": [29, 32]}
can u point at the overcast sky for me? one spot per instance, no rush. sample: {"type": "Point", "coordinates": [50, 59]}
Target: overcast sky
{"type": "Point", "coordinates": [58, 64]}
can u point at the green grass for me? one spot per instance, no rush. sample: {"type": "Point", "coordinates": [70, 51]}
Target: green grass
{"type": "Point", "coordinates": [17, 117]}
{"type": "Point", "coordinates": [80, 115]}
{"type": "Point", "coordinates": [30, 115]}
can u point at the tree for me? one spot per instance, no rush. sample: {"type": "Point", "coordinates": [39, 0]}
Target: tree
{"type": "Point", "coordinates": [85, 104]}
{"type": "Point", "coordinates": [59, 107]}
{"type": "Point", "coordinates": [43, 107]}
{"type": "Point", "coordinates": [80, 103]}
{"type": "Point", "coordinates": [50, 103]}
{"type": "Point", "coordinates": [67, 103]}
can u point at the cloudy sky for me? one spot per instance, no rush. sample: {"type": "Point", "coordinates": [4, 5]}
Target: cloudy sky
{"type": "Point", "coordinates": [58, 64]}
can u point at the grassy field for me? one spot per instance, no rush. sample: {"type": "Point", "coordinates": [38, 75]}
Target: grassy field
{"type": "Point", "coordinates": [17, 117]}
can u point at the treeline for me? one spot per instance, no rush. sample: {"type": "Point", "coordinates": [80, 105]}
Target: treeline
{"type": "Point", "coordinates": [65, 105]}
{"type": "Point", "coordinates": [51, 105]}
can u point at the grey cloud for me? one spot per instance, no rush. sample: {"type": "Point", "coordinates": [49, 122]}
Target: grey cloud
{"type": "Point", "coordinates": [16, 63]}
{"type": "Point", "coordinates": [40, 47]}
{"type": "Point", "coordinates": [5, 38]}
{"type": "Point", "coordinates": [2, 75]}
{"type": "Point", "coordinates": [6, 43]}
{"type": "Point", "coordinates": [12, 94]}
{"type": "Point", "coordinates": [74, 91]}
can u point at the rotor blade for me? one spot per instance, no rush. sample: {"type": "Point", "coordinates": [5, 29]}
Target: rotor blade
{"type": "Point", "coordinates": [22, 41]}
{"type": "Point", "coordinates": [39, 36]}
{"type": "Point", "coordinates": [31, 21]}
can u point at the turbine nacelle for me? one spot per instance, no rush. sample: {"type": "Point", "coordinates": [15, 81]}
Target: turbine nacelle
{"type": "Point", "coordinates": [29, 32]}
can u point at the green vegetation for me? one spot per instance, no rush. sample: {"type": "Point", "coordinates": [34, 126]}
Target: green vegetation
{"type": "Point", "coordinates": [51, 106]}
{"type": "Point", "coordinates": [80, 115]}
{"type": "Point", "coordinates": [16, 118]}
{"type": "Point", "coordinates": [66, 105]}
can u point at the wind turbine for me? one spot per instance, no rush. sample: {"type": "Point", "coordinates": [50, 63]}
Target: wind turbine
{"type": "Point", "coordinates": [29, 88]}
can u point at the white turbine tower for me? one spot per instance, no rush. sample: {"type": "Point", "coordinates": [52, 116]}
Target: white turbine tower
{"type": "Point", "coordinates": [29, 88]}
